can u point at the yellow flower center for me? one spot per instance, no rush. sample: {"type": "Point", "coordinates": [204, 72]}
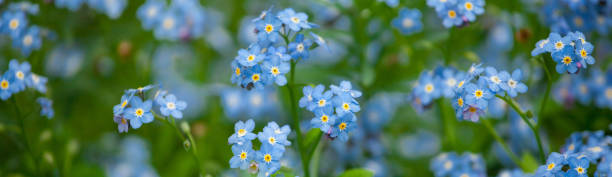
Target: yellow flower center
{"type": "Point", "coordinates": [342, 126]}
{"type": "Point", "coordinates": [255, 77]}
{"type": "Point", "coordinates": [251, 58]}
{"type": "Point", "coordinates": [269, 28]}
{"type": "Point", "coordinates": [27, 40]}
{"type": "Point", "coordinates": [295, 19]}
{"type": "Point", "coordinates": [125, 102]}
{"type": "Point", "coordinates": [559, 45]}
{"type": "Point", "coordinates": [237, 71]}
{"type": "Point", "coordinates": [609, 93]}
{"type": "Point", "coordinates": [170, 105]}
{"type": "Point", "coordinates": [243, 155]}
{"type": "Point", "coordinates": [407, 23]}
{"type": "Point", "coordinates": [495, 79]}
{"type": "Point", "coordinates": [429, 88]}
{"type": "Point", "coordinates": [4, 84]}
{"type": "Point", "coordinates": [168, 23]}
{"type": "Point", "coordinates": [583, 53]}
{"type": "Point", "coordinates": [452, 14]}
{"type": "Point", "coordinates": [571, 147]}
{"type": "Point", "coordinates": [448, 165]}
{"type": "Point", "coordinates": [583, 88]}
{"type": "Point", "coordinates": [346, 106]}
{"type": "Point", "coordinates": [20, 75]}
{"type": "Point", "coordinates": [511, 83]}
{"type": "Point", "coordinates": [139, 112]}
{"type": "Point", "coordinates": [460, 84]}
{"type": "Point", "coordinates": [13, 24]}
{"type": "Point", "coordinates": [275, 71]}
{"type": "Point", "coordinates": [580, 170]}
{"type": "Point", "coordinates": [242, 132]}
{"type": "Point", "coordinates": [464, 175]}
{"type": "Point", "coordinates": [472, 109]}
{"type": "Point", "coordinates": [478, 93]}
{"type": "Point", "coordinates": [123, 121]}
{"type": "Point", "coordinates": [460, 102]}
{"type": "Point", "coordinates": [324, 118]}
{"type": "Point", "coordinates": [271, 140]}
{"type": "Point", "coordinates": [267, 158]}
{"type": "Point", "coordinates": [578, 21]}
{"type": "Point", "coordinates": [322, 102]}
{"type": "Point", "coordinates": [551, 166]}
{"type": "Point", "coordinates": [567, 60]}
{"type": "Point", "coordinates": [469, 6]}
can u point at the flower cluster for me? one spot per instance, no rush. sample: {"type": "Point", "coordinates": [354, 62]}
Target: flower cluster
{"type": "Point", "coordinates": [19, 77]}
{"type": "Point", "coordinates": [14, 23]}
{"type": "Point", "coordinates": [434, 84]}
{"type": "Point", "coordinates": [408, 21]}
{"type": "Point", "coordinates": [268, 60]}
{"type": "Point", "coordinates": [571, 52]}
{"type": "Point", "coordinates": [138, 110]}
{"type": "Point", "coordinates": [178, 20]}
{"type": "Point", "coordinates": [267, 160]}
{"type": "Point", "coordinates": [334, 109]}
{"type": "Point", "coordinates": [112, 8]}
{"type": "Point", "coordinates": [563, 16]}
{"type": "Point", "coordinates": [451, 164]}
{"type": "Point", "coordinates": [473, 93]}
{"type": "Point", "coordinates": [457, 12]}
{"type": "Point", "coordinates": [595, 87]}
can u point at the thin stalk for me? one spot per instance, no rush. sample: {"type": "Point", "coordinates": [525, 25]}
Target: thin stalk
{"type": "Point", "coordinates": [449, 128]}
{"type": "Point", "coordinates": [296, 119]}
{"type": "Point", "coordinates": [491, 130]}
{"type": "Point", "coordinates": [189, 138]}
{"type": "Point", "coordinates": [523, 115]}
{"type": "Point", "coordinates": [546, 93]}
{"type": "Point", "coordinates": [25, 136]}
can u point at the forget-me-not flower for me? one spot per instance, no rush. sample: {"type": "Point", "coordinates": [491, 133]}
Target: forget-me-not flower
{"type": "Point", "coordinates": [169, 105]}
{"type": "Point", "coordinates": [243, 154]}
{"type": "Point", "coordinates": [294, 21]}
{"type": "Point", "coordinates": [408, 21]}
{"type": "Point", "coordinates": [139, 112]}
{"type": "Point", "coordinates": [243, 132]}
{"type": "Point", "coordinates": [299, 47]}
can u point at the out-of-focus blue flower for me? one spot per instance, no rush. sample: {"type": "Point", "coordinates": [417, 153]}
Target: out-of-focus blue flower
{"type": "Point", "coordinates": [477, 95]}
{"type": "Point", "coordinates": [300, 47]}
{"type": "Point", "coordinates": [112, 8]}
{"type": "Point", "coordinates": [72, 5]}
{"type": "Point", "coordinates": [493, 79]}
{"type": "Point", "coordinates": [37, 82]}
{"type": "Point", "coordinates": [139, 112]}
{"type": "Point", "coordinates": [168, 26]}
{"type": "Point", "coordinates": [14, 23]}
{"type": "Point", "coordinates": [149, 13]}
{"type": "Point", "coordinates": [450, 164]}
{"type": "Point", "coordinates": [344, 125]}
{"type": "Point", "coordinates": [7, 87]}
{"type": "Point", "coordinates": [377, 166]}
{"type": "Point", "coordinates": [449, 78]}
{"type": "Point", "coordinates": [408, 21]}
{"type": "Point", "coordinates": [24, 6]}
{"type": "Point", "coordinates": [497, 108]}
{"type": "Point", "coordinates": [268, 29]}
{"type": "Point", "coordinates": [21, 72]}
{"type": "Point", "coordinates": [250, 57]}
{"type": "Point", "coordinates": [428, 88]}
{"type": "Point", "coordinates": [294, 21]}
{"type": "Point", "coordinates": [439, 5]}
{"type": "Point", "coordinates": [276, 69]}
{"type": "Point", "coordinates": [169, 105]}
{"type": "Point", "coordinates": [512, 84]}
{"type": "Point", "coordinates": [421, 144]}
{"type": "Point", "coordinates": [580, 88]}
{"type": "Point", "coordinates": [324, 119]}
{"type": "Point", "coordinates": [243, 132]}
{"type": "Point", "coordinates": [320, 41]}
{"type": "Point", "coordinates": [471, 8]}
{"type": "Point", "coordinates": [268, 158]}
{"type": "Point", "coordinates": [30, 40]}
{"type": "Point", "coordinates": [243, 154]}
{"type": "Point", "coordinates": [64, 61]}
{"type": "Point", "coordinates": [46, 107]}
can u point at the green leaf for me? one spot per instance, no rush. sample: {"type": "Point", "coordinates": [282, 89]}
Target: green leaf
{"type": "Point", "coordinates": [311, 138]}
{"type": "Point", "coordinates": [357, 172]}
{"type": "Point", "coordinates": [529, 163]}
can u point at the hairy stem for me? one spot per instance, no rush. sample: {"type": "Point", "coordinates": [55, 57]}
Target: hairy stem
{"type": "Point", "coordinates": [525, 118]}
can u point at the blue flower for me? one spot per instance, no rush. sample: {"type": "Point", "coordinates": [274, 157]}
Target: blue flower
{"type": "Point", "coordinates": [139, 112]}
{"type": "Point", "coordinates": [37, 82]}
{"type": "Point", "coordinates": [472, 113]}
{"type": "Point", "coordinates": [254, 78]}
{"type": "Point", "coordinates": [169, 25]}
{"type": "Point", "coordinates": [390, 3]}
{"type": "Point", "coordinates": [450, 17]}
{"type": "Point", "coordinates": [268, 158]}
{"type": "Point", "coordinates": [541, 47]}
{"type": "Point", "coordinates": [324, 119]}
{"type": "Point", "coordinates": [474, 71]}
{"type": "Point", "coordinates": [493, 79]}
{"type": "Point", "coordinates": [7, 87]}
{"type": "Point", "coordinates": [274, 136]}
{"type": "Point", "coordinates": [448, 80]}
{"type": "Point", "coordinates": [566, 60]}
{"type": "Point", "coordinates": [471, 8]}
{"type": "Point", "coordinates": [477, 95]}
{"type": "Point", "coordinates": [445, 163]}
{"type": "Point", "coordinates": [581, 89]}
{"type": "Point", "coordinates": [345, 88]}
{"type": "Point", "coordinates": [320, 41]}
{"type": "Point", "coordinates": [243, 154]}
{"type": "Point", "coordinates": [29, 41]}
{"type": "Point", "coordinates": [307, 99]}
{"type": "Point", "coordinates": [243, 132]}
{"type": "Point", "coordinates": [512, 84]}
{"type": "Point", "coordinates": [276, 70]}
{"type": "Point", "coordinates": [122, 123]}
{"type": "Point", "coordinates": [439, 5]}
{"type": "Point", "coordinates": [139, 89]}
{"type": "Point", "coordinates": [278, 53]}
{"type": "Point", "coordinates": [280, 132]}
{"type": "Point", "coordinates": [169, 105]}
{"type": "Point", "coordinates": [343, 126]}
{"type": "Point", "coordinates": [21, 72]}
{"type": "Point", "coordinates": [251, 56]}
{"type": "Point", "coordinates": [557, 43]}
{"type": "Point", "coordinates": [149, 13]}
{"type": "Point", "coordinates": [119, 108]}
{"type": "Point", "coordinates": [24, 6]}
{"type": "Point", "coordinates": [294, 21]}
{"type": "Point", "coordinates": [322, 99]}
{"type": "Point", "coordinates": [408, 21]}
{"type": "Point", "coordinates": [14, 23]}
{"type": "Point", "coordinates": [112, 8]}
{"type": "Point", "coordinates": [299, 47]}
{"type": "Point", "coordinates": [237, 76]}
{"type": "Point", "coordinates": [428, 88]}
{"type": "Point", "coordinates": [46, 107]}
{"type": "Point", "coordinates": [578, 167]}
{"type": "Point", "coordinates": [458, 103]}
{"type": "Point", "coordinates": [345, 104]}
{"type": "Point", "coordinates": [268, 29]}
{"type": "Point", "coordinates": [583, 51]}
{"type": "Point", "coordinates": [72, 5]}
{"type": "Point", "coordinates": [553, 165]}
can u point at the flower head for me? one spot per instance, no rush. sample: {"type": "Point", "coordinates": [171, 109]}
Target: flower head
{"type": "Point", "coordinates": [46, 107]}
{"type": "Point", "coordinates": [512, 84]}
{"type": "Point", "coordinates": [150, 12]}
{"type": "Point", "coordinates": [343, 126]}
{"type": "Point", "coordinates": [294, 21]}
{"type": "Point", "coordinates": [275, 69]}
{"type": "Point", "coordinates": [251, 56]}
{"type": "Point", "coordinates": [243, 154]}
{"type": "Point", "coordinates": [300, 47]}
{"type": "Point", "coordinates": [139, 112]}
{"type": "Point", "coordinates": [477, 95]}
{"type": "Point", "coordinates": [21, 72]}
{"type": "Point", "coordinates": [243, 132]}
{"type": "Point", "coordinates": [324, 119]}
{"type": "Point", "coordinates": [408, 21]}
{"type": "Point", "coordinates": [268, 29]}
{"type": "Point", "coordinates": [169, 105]}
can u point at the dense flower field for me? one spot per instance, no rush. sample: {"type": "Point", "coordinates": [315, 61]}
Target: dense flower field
{"type": "Point", "coordinates": [283, 88]}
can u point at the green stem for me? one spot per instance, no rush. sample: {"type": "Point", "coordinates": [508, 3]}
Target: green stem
{"type": "Point", "coordinates": [491, 130]}
{"type": "Point", "coordinates": [25, 136]}
{"type": "Point", "coordinates": [189, 138]}
{"type": "Point", "coordinates": [296, 119]}
{"type": "Point", "coordinates": [448, 123]}
{"type": "Point", "coordinates": [547, 93]}
{"type": "Point", "coordinates": [525, 118]}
